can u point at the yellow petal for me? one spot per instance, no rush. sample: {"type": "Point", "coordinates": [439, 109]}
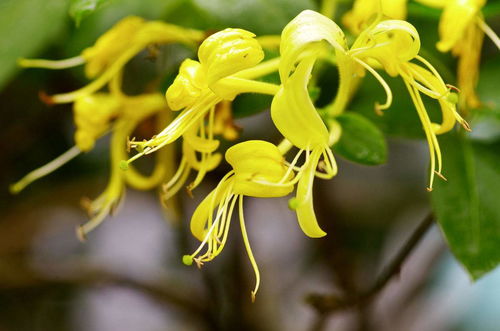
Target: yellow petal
{"type": "Point", "coordinates": [228, 51]}
{"type": "Point", "coordinates": [306, 31]}
{"type": "Point", "coordinates": [210, 163]}
{"type": "Point", "coordinates": [206, 208]}
{"type": "Point", "coordinates": [111, 45]}
{"type": "Point", "coordinates": [92, 115]}
{"type": "Point", "coordinates": [258, 165]}
{"type": "Point", "coordinates": [430, 81]}
{"type": "Point", "coordinates": [293, 112]}
{"type": "Point", "coordinates": [365, 11]}
{"type": "Point", "coordinates": [305, 209]}
{"type": "Point", "coordinates": [187, 86]}
{"type": "Point", "coordinates": [456, 17]}
{"type": "Point", "coordinates": [390, 42]}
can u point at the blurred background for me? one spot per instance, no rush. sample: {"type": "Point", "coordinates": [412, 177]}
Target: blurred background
{"type": "Point", "coordinates": [129, 275]}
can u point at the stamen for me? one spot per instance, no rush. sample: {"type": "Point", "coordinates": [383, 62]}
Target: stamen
{"type": "Point", "coordinates": [441, 176]}
{"type": "Point", "coordinates": [45, 170]}
{"type": "Point", "coordinates": [284, 146]}
{"type": "Point", "coordinates": [260, 70]}
{"type": "Point", "coordinates": [51, 64]}
{"type": "Point", "coordinates": [176, 176]}
{"type": "Point", "coordinates": [387, 89]}
{"type": "Point", "coordinates": [291, 166]}
{"type": "Point", "coordinates": [248, 248]}
{"type": "Point", "coordinates": [489, 32]}
{"type": "Point", "coordinates": [83, 230]}
{"type": "Point", "coordinates": [100, 81]}
{"type": "Point", "coordinates": [46, 99]}
{"type": "Point", "coordinates": [431, 137]}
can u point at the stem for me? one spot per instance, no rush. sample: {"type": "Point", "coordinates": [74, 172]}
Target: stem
{"type": "Point", "coordinates": [329, 303]}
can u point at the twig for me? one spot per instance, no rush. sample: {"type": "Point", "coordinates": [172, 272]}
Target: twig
{"type": "Point", "coordinates": [328, 303]}
{"type": "Point", "coordinates": [89, 276]}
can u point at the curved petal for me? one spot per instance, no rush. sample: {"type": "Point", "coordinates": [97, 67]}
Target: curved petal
{"type": "Point", "coordinates": [307, 29]}
{"type": "Point", "coordinates": [229, 51]}
{"type": "Point", "coordinates": [452, 29]}
{"type": "Point", "coordinates": [293, 112]}
{"type": "Point", "coordinates": [305, 209]}
{"type": "Point", "coordinates": [207, 207]}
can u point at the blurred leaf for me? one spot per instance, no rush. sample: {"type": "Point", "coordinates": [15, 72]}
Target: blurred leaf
{"type": "Point", "coordinates": [361, 141]}
{"type": "Point", "coordinates": [416, 9]}
{"type": "Point", "coordinates": [258, 16]}
{"type": "Point", "coordinates": [26, 26]}
{"type": "Point", "coordinates": [485, 125]}
{"type": "Point", "coordinates": [466, 206]}
{"type": "Point", "coordinates": [79, 9]}
{"type": "Point", "coordinates": [485, 121]}
{"type": "Point", "coordinates": [491, 8]}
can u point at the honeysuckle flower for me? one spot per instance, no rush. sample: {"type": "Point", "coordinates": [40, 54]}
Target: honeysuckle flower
{"type": "Point", "coordinates": [113, 50]}
{"type": "Point", "coordinates": [259, 170]}
{"type": "Point", "coordinates": [293, 112]}
{"type": "Point", "coordinates": [119, 114]}
{"type": "Point", "coordinates": [392, 44]}
{"type": "Point", "coordinates": [363, 13]}
{"type": "Point", "coordinates": [133, 110]}
{"type": "Point", "coordinates": [464, 38]}
{"type": "Point", "coordinates": [228, 60]}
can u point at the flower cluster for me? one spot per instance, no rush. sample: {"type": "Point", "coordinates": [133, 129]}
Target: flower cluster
{"type": "Point", "coordinates": [231, 62]}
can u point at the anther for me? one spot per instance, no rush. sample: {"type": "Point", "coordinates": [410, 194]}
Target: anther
{"type": "Point", "coordinates": [80, 234]}
{"type": "Point", "coordinates": [440, 175]}
{"type": "Point", "coordinates": [46, 99]}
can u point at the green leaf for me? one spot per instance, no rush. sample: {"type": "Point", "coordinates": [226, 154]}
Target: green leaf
{"type": "Point", "coordinates": [491, 9]}
{"type": "Point", "coordinates": [361, 141]}
{"type": "Point", "coordinates": [485, 124]}
{"type": "Point", "coordinates": [485, 121]}
{"type": "Point", "coordinates": [79, 9]}
{"type": "Point", "coordinates": [26, 27]}
{"type": "Point", "coordinates": [258, 16]}
{"type": "Point", "coordinates": [466, 206]}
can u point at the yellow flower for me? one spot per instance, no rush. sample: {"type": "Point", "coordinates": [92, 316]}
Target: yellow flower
{"type": "Point", "coordinates": [364, 12]}
{"type": "Point", "coordinates": [464, 38]}
{"type": "Point", "coordinates": [293, 112]}
{"type": "Point", "coordinates": [106, 59]}
{"type": "Point", "coordinates": [133, 110]}
{"type": "Point", "coordinates": [259, 170]}
{"type": "Point", "coordinates": [392, 44]}
{"type": "Point", "coordinates": [93, 116]}
{"type": "Point", "coordinates": [228, 61]}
